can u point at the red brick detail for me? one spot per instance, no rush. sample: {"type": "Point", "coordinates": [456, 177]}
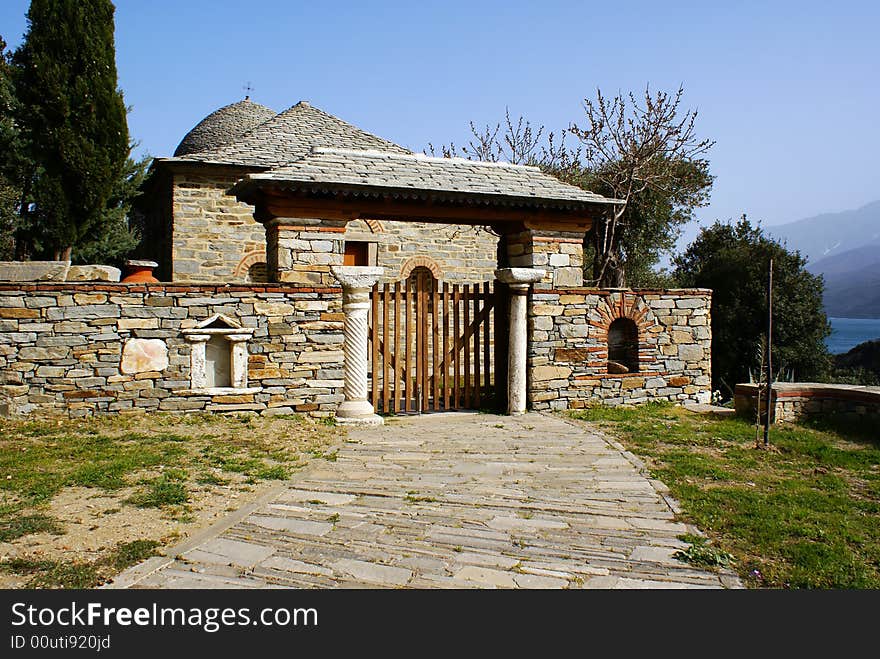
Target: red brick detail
{"type": "Point", "coordinates": [606, 376]}
{"type": "Point", "coordinates": [375, 226]}
{"type": "Point", "coordinates": [420, 262]}
{"type": "Point", "coordinates": [315, 229]}
{"type": "Point", "coordinates": [552, 239]}
{"type": "Point", "coordinates": [88, 287]}
{"type": "Point", "coordinates": [248, 261]}
{"type": "Point", "coordinates": [84, 393]}
{"type": "Point", "coordinates": [604, 292]}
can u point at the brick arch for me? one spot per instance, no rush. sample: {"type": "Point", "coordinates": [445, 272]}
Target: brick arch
{"type": "Point", "coordinates": [626, 305]}
{"type": "Point", "coordinates": [629, 306]}
{"type": "Point", "coordinates": [632, 307]}
{"type": "Point", "coordinates": [420, 262]}
{"type": "Point", "coordinates": [361, 225]}
{"type": "Point", "coordinates": [249, 260]}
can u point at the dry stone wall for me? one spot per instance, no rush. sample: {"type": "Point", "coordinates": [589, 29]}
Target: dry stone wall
{"type": "Point", "coordinates": [568, 348]}
{"type": "Point", "coordinates": [81, 349]}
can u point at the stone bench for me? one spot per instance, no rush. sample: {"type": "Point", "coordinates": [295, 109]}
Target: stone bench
{"type": "Point", "coordinates": [797, 400]}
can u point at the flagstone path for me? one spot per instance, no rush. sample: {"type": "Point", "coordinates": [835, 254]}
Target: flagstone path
{"type": "Point", "coordinates": [459, 500]}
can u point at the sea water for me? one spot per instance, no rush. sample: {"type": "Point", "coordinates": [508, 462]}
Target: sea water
{"type": "Point", "coordinates": [847, 333]}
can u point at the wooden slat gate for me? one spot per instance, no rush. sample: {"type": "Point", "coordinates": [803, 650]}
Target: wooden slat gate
{"type": "Point", "coordinates": [431, 346]}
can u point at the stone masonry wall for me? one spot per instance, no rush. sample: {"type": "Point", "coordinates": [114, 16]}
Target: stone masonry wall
{"type": "Point", "coordinates": [62, 348]}
{"type": "Point", "coordinates": [793, 401]}
{"type": "Point", "coordinates": [215, 237]}
{"type": "Point", "coordinates": [568, 347]}
{"type": "Point", "coordinates": [456, 253]}
{"type": "Point", "coordinates": [560, 256]}
{"type": "Point", "coordinates": [303, 253]}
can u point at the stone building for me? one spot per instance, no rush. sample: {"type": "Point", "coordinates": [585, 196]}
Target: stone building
{"type": "Point", "coordinates": [265, 227]}
{"type": "Point", "coordinates": [197, 231]}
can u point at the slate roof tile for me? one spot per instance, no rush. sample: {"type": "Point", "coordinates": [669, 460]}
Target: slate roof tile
{"type": "Point", "coordinates": [307, 148]}
{"type": "Point", "coordinates": [224, 126]}
{"type": "Point", "coordinates": [289, 136]}
{"type": "Point", "coordinates": [360, 171]}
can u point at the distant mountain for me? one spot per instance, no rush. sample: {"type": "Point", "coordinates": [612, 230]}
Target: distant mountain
{"type": "Point", "coordinates": [848, 263]}
{"type": "Point", "coordinates": [854, 293]}
{"type": "Point", "coordinates": [852, 282]}
{"type": "Point", "coordinates": [830, 234]}
{"type": "Point", "coordinates": [845, 249]}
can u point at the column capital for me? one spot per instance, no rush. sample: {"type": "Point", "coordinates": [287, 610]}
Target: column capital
{"type": "Point", "coordinates": [196, 338]}
{"type": "Point", "coordinates": [355, 277]}
{"type": "Point", "coordinates": [519, 279]}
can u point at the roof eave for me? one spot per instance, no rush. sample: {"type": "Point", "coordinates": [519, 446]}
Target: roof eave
{"type": "Point", "coordinates": [249, 190]}
{"type": "Point", "coordinates": [186, 161]}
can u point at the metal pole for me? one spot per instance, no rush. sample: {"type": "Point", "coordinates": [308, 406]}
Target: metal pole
{"type": "Point", "coordinates": [769, 402]}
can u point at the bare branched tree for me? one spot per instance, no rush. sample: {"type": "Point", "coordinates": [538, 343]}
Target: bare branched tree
{"type": "Point", "coordinates": [646, 155]}
{"type": "Point", "coordinates": [513, 141]}
{"type": "Point", "coordinates": [632, 149]}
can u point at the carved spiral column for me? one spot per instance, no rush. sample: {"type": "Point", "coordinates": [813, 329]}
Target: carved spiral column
{"type": "Point", "coordinates": [355, 305]}
{"type": "Point", "coordinates": [356, 284]}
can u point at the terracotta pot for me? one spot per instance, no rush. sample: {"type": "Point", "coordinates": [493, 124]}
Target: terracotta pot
{"type": "Point", "coordinates": [140, 272]}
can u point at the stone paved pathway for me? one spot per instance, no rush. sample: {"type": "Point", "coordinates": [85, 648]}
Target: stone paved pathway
{"type": "Point", "coordinates": [449, 500]}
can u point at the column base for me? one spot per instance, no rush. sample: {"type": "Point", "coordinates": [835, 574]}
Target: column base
{"type": "Point", "coordinates": [357, 412]}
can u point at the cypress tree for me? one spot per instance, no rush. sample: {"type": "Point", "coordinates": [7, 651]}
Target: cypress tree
{"type": "Point", "coordinates": [75, 118]}
{"type": "Point", "coordinates": [10, 190]}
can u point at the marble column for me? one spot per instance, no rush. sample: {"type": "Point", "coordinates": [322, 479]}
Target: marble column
{"type": "Point", "coordinates": [356, 284]}
{"type": "Point", "coordinates": [518, 281]}
{"type": "Point", "coordinates": [238, 362]}
{"type": "Point", "coordinates": [198, 359]}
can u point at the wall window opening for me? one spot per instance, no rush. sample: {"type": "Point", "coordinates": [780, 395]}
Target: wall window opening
{"type": "Point", "coordinates": [356, 253]}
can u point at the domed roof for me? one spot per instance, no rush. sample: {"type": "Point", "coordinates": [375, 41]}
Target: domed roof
{"type": "Point", "coordinates": [224, 126]}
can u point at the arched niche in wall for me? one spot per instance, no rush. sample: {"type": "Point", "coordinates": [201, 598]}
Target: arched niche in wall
{"type": "Point", "coordinates": [623, 346]}
{"type": "Point", "coordinates": [219, 356]}
{"type": "Point", "coordinates": [252, 268]}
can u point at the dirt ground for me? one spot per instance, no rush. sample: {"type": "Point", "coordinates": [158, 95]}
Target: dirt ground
{"type": "Point", "coordinates": [95, 521]}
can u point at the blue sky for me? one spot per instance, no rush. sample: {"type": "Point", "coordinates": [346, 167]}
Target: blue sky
{"type": "Point", "coordinates": [787, 89]}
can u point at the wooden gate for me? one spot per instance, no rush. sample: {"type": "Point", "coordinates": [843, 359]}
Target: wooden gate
{"type": "Point", "coordinates": [431, 345]}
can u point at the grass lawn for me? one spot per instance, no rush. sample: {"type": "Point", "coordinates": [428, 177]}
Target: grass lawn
{"type": "Point", "coordinates": [80, 500]}
{"type": "Point", "coordinates": [803, 514]}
